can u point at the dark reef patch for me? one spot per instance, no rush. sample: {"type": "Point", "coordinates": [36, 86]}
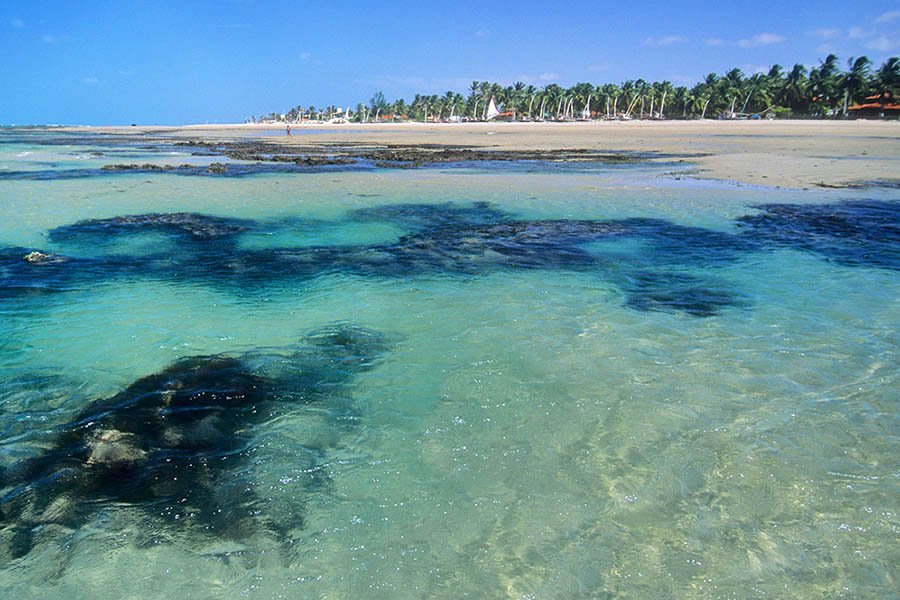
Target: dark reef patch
{"type": "Point", "coordinates": [668, 244]}
{"type": "Point", "coordinates": [197, 227]}
{"type": "Point", "coordinates": [28, 272]}
{"type": "Point", "coordinates": [658, 264]}
{"type": "Point", "coordinates": [854, 233]}
{"type": "Point", "coordinates": [407, 155]}
{"type": "Point", "coordinates": [175, 443]}
{"type": "Point", "coordinates": [417, 217]}
{"type": "Point", "coordinates": [215, 169]}
{"type": "Point", "coordinates": [671, 291]}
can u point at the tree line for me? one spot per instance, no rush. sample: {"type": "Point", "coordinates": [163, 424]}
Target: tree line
{"type": "Point", "coordinates": [826, 90]}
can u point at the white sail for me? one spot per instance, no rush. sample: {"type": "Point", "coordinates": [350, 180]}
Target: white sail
{"type": "Point", "coordinates": [491, 111]}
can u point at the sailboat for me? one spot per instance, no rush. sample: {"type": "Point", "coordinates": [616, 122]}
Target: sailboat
{"type": "Point", "coordinates": [586, 111]}
{"type": "Point", "coordinates": [491, 110]}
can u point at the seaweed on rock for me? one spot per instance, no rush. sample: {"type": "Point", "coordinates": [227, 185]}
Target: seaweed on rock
{"type": "Point", "coordinates": [176, 443]}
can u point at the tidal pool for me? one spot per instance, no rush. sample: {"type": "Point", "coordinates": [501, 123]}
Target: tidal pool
{"type": "Point", "coordinates": [569, 383]}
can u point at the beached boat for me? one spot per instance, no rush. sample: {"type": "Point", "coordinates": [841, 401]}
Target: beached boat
{"type": "Point", "coordinates": [491, 111]}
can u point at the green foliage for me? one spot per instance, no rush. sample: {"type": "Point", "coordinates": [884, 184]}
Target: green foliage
{"type": "Point", "coordinates": [377, 102]}
{"type": "Point", "coordinates": [823, 91]}
{"type": "Point", "coordinates": [782, 112]}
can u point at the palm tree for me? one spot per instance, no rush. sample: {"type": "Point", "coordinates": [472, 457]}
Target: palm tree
{"type": "Point", "coordinates": [530, 92]}
{"type": "Point", "coordinates": [759, 93]}
{"type": "Point", "coordinates": [704, 93]}
{"type": "Point", "coordinates": [581, 94]}
{"type": "Point", "coordinates": [855, 82]}
{"type": "Point", "coordinates": [792, 92]}
{"type": "Point", "coordinates": [680, 99]}
{"type": "Point", "coordinates": [732, 87]}
{"type": "Point", "coordinates": [399, 109]}
{"type": "Point", "coordinates": [825, 90]}
{"type": "Point", "coordinates": [472, 102]}
{"type": "Point", "coordinates": [553, 94]}
{"type": "Point", "coordinates": [628, 96]}
{"type": "Point", "coordinates": [515, 98]}
{"type": "Point", "coordinates": [823, 83]}
{"type": "Point", "coordinates": [663, 90]}
{"type": "Point", "coordinates": [611, 92]}
{"type": "Point", "coordinates": [888, 76]}
{"type": "Point", "coordinates": [641, 88]}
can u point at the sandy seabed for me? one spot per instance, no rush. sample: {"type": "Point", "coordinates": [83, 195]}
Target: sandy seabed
{"type": "Point", "coordinates": [795, 154]}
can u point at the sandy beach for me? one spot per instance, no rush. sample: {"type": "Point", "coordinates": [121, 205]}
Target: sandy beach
{"type": "Point", "coordinates": [794, 154]}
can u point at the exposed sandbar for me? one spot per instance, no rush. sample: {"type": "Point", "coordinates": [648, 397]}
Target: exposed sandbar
{"type": "Point", "coordinates": [796, 154]}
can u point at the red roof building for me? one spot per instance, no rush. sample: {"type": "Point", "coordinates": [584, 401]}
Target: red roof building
{"type": "Point", "coordinates": [879, 106]}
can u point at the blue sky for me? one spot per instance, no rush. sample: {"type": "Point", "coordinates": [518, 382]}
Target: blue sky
{"type": "Point", "coordinates": [195, 62]}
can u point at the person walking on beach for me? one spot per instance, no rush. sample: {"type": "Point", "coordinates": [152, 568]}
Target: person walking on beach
{"type": "Point", "coordinates": [289, 129]}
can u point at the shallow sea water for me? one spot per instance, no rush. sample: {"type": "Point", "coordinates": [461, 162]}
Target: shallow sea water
{"type": "Point", "coordinates": [531, 432]}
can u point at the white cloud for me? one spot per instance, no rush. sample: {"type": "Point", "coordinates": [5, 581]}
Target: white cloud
{"type": "Point", "coordinates": [667, 40]}
{"type": "Point", "coordinates": [881, 35]}
{"type": "Point", "coordinates": [884, 43]}
{"type": "Point", "coordinates": [305, 56]}
{"type": "Point", "coordinates": [888, 17]}
{"type": "Point", "coordinates": [858, 33]}
{"type": "Point", "coordinates": [761, 39]}
{"type": "Point", "coordinates": [714, 41]}
{"type": "Point", "coordinates": [90, 80]}
{"type": "Point", "coordinates": [483, 33]}
{"type": "Point", "coordinates": [827, 33]}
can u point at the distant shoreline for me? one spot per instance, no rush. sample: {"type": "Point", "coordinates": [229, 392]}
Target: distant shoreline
{"type": "Point", "coordinates": [782, 153]}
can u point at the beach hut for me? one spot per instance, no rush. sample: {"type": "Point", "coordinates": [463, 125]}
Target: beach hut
{"type": "Point", "coordinates": [878, 106]}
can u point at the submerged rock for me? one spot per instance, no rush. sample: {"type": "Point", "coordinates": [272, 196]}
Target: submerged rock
{"type": "Point", "coordinates": [195, 225]}
{"type": "Point", "coordinates": [174, 443]}
{"type": "Point", "coordinates": [145, 167]}
{"type": "Point", "coordinates": [25, 272]}
{"type": "Point", "coordinates": [313, 160]}
{"type": "Point", "coordinates": [41, 258]}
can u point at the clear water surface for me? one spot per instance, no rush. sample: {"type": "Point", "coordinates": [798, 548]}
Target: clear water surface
{"type": "Point", "coordinates": [576, 429]}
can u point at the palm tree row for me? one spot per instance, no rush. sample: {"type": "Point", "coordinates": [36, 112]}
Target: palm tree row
{"type": "Point", "coordinates": [822, 91]}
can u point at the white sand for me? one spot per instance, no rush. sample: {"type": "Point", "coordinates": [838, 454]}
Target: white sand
{"type": "Point", "coordinates": [797, 154]}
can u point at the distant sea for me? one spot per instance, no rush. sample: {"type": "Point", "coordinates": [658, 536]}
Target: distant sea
{"type": "Point", "coordinates": [502, 380]}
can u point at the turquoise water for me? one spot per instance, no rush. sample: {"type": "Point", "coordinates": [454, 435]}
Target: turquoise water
{"type": "Point", "coordinates": [685, 405]}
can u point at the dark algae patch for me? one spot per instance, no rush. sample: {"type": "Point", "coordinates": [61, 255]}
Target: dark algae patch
{"type": "Point", "coordinates": [175, 445]}
{"type": "Point", "coordinates": [215, 169]}
{"type": "Point", "coordinates": [667, 272]}
{"type": "Point", "coordinates": [399, 155]}
{"type": "Point", "coordinates": [194, 225]}
{"type": "Point", "coordinates": [859, 234]}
